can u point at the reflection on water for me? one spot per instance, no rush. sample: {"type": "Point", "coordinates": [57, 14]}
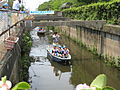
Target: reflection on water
{"type": "Point", "coordinates": [45, 74]}
{"type": "Point", "coordinates": [48, 75]}
{"type": "Point", "coordinates": [85, 66]}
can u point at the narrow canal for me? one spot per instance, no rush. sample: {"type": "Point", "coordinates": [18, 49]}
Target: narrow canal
{"type": "Point", "coordinates": [47, 75]}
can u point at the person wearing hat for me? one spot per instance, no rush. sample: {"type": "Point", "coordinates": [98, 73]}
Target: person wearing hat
{"type": "Point", "coordinates": [5, 6]}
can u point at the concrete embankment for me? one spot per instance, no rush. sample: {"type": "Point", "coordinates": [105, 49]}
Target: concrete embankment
{"type": "Point", "coordinates": [98, 37]}
{"type": "Point", "coordinates": [11, 25]}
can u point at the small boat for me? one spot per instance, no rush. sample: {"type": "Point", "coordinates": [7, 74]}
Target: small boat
{"type": "Point", "coordinates": [41, 30]}
{"type": "Point", "coordinates": [57, 58]}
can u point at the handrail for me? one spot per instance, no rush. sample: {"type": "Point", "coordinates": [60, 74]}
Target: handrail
{"type": "Point", "coordinates": [10, 28]}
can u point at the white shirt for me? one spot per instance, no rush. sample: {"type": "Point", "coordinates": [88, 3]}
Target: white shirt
{"type": "Point", "coordinates": [16, 5]}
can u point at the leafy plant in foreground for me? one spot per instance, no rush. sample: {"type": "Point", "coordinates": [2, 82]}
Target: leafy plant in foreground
{"type": "Point", "coordinates": [6, 85]}
{"type": "Point", "coordinates": [99, 83]}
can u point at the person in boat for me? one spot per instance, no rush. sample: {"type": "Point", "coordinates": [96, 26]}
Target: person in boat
{"type": "Point", "coordinates": [60, 51]}
{"type": "Point", "coordinates": [40, 29]}
{"type": "Point", "coordinates": [66, 52]}
{"type": "Point", "coordinates": [56, 37]}
{"type": "Point", "coordinates": [55, 51]}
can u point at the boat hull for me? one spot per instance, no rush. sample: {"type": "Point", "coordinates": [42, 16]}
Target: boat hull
{"type": "Point", "coordinates": [57, 59]}
{"type": "Point", "coordinates": [41, 32]}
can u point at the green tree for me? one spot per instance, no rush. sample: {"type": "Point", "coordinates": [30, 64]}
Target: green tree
{"type": "Point", "coordinates": [54, 4]}
{"type": "Point", "coordinates": [10, 2]}
{"type": "Point", "coordinates": [104, 0]}
{"type": "Point", "coordinates": [88, 1]}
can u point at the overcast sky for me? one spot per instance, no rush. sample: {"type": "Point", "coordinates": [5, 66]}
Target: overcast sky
{"type": "Point", "coordinates": [33, 4]}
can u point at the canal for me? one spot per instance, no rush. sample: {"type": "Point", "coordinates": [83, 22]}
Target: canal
{"type": "Point", "coordinates": [48, 75]}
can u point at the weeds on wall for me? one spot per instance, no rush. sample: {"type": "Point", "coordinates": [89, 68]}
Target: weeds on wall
{"type": "Point", "coordinates": [109, 60]}
{"type": "Point", "coordinates": [118, 62]}
{"type": "Point", "coordinates": [25, 59]}
{"type": "Point", "coordinates": [112, 61]}
{"type": "Point", "coordinates": [93, 50]}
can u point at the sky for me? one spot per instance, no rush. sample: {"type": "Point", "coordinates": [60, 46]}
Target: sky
{"type": "Point", "coordinates": [33, 4]}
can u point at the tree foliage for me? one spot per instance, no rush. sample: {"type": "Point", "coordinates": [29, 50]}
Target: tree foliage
{"type": "Point", "coordinates": [92, 1]}
{"type": "Point", "coordinates": [55, 4]}
{"type": "Point", "coordinates": [108, 10]}
{"type": "Point", "coordinates": [10, 2]}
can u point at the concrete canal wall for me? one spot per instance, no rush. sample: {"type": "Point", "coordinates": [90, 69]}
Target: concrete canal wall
{"type": "Point", "coordinates": [8, 19]}
{"type": "Point", "coordinates": [96, 36]}
{"type": "Point", "coordinates": [99, 37]}
{"type": "Point", "coordinates": [9, 64]}
{"type": "Point", "coordinates": [11, 24]}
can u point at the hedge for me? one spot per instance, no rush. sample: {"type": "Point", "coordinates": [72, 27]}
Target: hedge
{"type": "Point", "coordinates": [109, 11]}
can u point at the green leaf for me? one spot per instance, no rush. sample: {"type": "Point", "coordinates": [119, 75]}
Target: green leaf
{"type": "Point", "coordinates": [4, 79]}
{"type": "Point", "coordinates": [108, 88]}
{"type": "Point", "coordinates": [99, 81]}
{"type": "Point", "coordinates": [21, 85]}
{"type": "Point", "coordinates": [85, 89]}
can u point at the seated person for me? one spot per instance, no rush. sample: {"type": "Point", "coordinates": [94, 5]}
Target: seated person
{"type": "Point", "coordinates": [55, 51]}
{"type": "Point", "coordinates": [40, 29]}
{"type": "Point", "coordinates": [66, 52]}
{"type": "Point", "coordinates": [60, 51]}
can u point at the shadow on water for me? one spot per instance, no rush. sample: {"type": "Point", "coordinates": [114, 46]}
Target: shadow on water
{"type": "Point", "coordinates": [48, 75]}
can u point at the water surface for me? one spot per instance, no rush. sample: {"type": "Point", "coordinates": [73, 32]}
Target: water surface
{"type": "Point", "coordinates": [48, 75]}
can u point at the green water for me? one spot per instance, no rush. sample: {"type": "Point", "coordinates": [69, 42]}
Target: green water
{"type": "Point", "coordinates": [48, 75]}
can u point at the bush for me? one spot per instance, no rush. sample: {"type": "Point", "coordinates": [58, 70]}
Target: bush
{"type": "Point", "coordinates": [108, 11]}
{"type": "Point", "coordinates": [25, 59]}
